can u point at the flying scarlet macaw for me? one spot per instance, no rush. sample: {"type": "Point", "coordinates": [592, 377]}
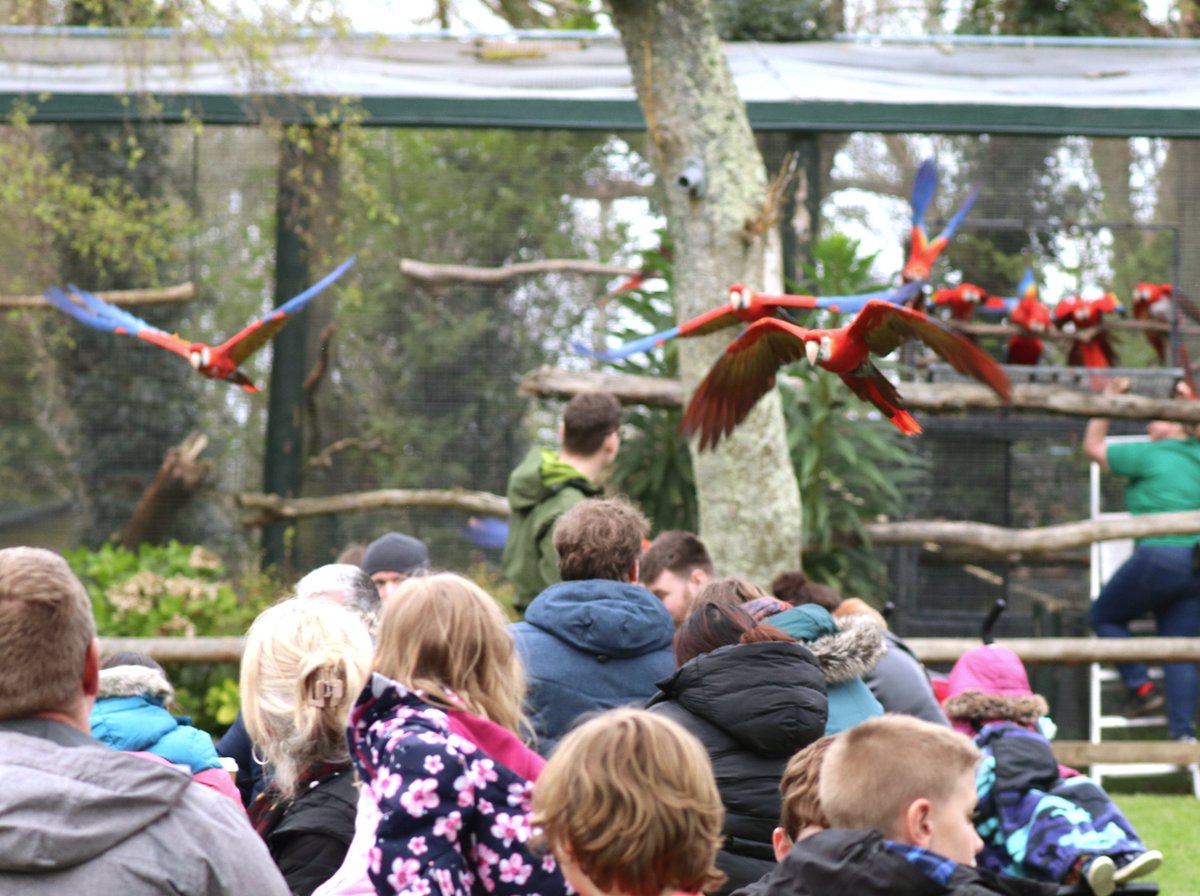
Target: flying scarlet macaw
{"type": "Point", "coordinates": [1033, 317]}
{"type": "Point", "coordinates": [922, 253]}
{"type": "Point", "coordinates": [1083, 317]}
{"type": "Point", "coordinates": [746, 371]}
{"type": "Point", "coordinates": [746, 305]}
{"type": "Point", "coordinates": [215, 362]}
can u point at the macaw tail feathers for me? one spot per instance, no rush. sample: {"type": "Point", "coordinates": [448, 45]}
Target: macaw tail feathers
{"type": "Point", "coordinates": [924, 186]}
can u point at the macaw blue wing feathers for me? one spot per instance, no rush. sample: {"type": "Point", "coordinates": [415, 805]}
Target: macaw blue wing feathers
{"type": "Point", "coordinates": [924, 186]}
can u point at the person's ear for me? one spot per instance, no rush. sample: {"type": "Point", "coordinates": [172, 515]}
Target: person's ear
{"type": "Point", "coordinates": [698, 577]}
{"type": "Point", "coordinates": [781, 842]}
{"type": "Point", "coordinates": [635, 571]}
{"type": "Point", "coordinates": [91, 669]}
{"type": "Point", "coordinates": [916, 823]}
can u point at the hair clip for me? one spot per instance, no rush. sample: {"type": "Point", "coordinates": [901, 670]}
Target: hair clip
{"type": "Point", "coordinates": [325, 691]}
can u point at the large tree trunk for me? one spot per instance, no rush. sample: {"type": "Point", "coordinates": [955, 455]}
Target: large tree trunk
{"type": "Point", "coordinates": [748, 497]}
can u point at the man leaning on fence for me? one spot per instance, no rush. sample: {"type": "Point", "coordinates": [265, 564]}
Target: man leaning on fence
{"type": "Point", "coordinates": [75, 815]}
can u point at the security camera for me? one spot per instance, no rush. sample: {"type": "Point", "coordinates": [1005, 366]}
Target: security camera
{"type": "Point", "coordinates": [691, 178]}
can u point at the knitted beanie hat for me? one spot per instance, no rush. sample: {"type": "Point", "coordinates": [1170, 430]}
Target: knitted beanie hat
{"type": "Point", "coordinates": [395, 552]}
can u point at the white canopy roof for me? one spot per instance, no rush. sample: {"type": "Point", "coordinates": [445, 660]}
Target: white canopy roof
{"type": "Point", "coordinates": [954, 85]}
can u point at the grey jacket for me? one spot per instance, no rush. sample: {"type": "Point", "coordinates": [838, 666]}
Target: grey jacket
{"type": "Point", "coordinates": [79, 817]}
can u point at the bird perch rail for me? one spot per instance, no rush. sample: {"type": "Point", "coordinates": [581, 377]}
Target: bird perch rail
{"type": "Point", "coordinates": [983, 537]}
{"type": "Point", "coordinates": [269, 509]}
{"type": "Point", "coordinates": [127, 298]}
{"type": "Point", "coordinates": [939, 398]}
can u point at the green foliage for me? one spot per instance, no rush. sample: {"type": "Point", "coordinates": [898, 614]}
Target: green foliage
{"type": "Point", "coordinates": [850, 463]}
{"type": "Point", "coordinates": [654, 466]}
{"type": "Point", "coordinates": [774, 20]}
{"type": "Point", "coordinates": [1096, 18]}
{"type": "Point", "coordinates": [176, 590]}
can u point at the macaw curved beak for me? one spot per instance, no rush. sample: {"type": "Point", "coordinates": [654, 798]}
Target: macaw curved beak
{"type": "Point", "coordinates": [811, 350]}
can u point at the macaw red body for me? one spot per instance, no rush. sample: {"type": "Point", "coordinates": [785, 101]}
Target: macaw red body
{"type": "Point", "coordinates": [922, 251]}
{"type": "Point", "coordinates": [1033, 317]}
{"type": "Point", "coordinates": [746, 371]}
{"type": "Point", "coordinates": [747, 306]}
{"type": "Point", "coordinates": [1084, 317]}
{"type": "Point", "coordinates": [219, 362]}
{"type": "Point", "coordinates": [1154, 301]}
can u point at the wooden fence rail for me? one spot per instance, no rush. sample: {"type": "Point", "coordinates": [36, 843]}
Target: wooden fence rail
{"type": "Point", "coordinates": [1034, 651]}
{"type": "Point", "coordinates": [1064, 651]}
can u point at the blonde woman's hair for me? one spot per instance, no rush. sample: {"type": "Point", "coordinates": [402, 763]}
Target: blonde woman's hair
{"type": "Point", "coordinates": [875, 770]}
{"type": "Point", "coordinates": [444, 635]}
{"type": "Point", "coordinates": [304, 664]}
{"type": "Point", "coordinates": [46, 625]}
{"type": "Point", "coordinates": [630, 797]}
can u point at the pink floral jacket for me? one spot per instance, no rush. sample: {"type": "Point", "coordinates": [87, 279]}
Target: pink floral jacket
{"type": "Point", "coordinates": [453, 792]}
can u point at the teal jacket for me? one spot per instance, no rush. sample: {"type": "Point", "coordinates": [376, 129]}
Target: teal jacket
{"type": "Point", "coordinates": [540, 490]}
{"type": "Point", "coordinates": [846, 653]}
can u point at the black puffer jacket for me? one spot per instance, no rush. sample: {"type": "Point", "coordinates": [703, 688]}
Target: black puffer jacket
{"type": "Point", "coordinates": [753, 706]}
{"type": "Point", "coordinates": [858, 863]}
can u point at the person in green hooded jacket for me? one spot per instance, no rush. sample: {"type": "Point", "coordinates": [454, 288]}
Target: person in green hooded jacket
{"type": "Point", "coordinates": [548, 483]}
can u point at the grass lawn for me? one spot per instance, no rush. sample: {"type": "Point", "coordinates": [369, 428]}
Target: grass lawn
{"type": "Point", "coordinates": [1170, 824]}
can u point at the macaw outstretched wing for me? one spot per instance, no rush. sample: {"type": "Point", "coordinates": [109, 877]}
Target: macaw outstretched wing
{"type": "Point", "coordinates": [92, 311]}
{"type": "Point", "coordinates": [621, 352]}
{"type": "Point", "coordinates": [924, 186]}
{"type": "Point", "coordinates": [253, 337]}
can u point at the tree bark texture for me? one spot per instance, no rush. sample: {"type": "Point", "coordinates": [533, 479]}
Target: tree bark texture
{"type": "Point", "coordinates": [746, 489]}
{"type": "Point", "coordinates": [181, 475]}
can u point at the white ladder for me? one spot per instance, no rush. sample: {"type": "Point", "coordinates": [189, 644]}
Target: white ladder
{"type": "Point", "coordinates": [1107, 556]}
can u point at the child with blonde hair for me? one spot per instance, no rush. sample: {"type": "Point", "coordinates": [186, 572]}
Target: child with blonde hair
{"type": "Point", "coordinates": [628, 805]}
{"type": "Point", "coordinates": [899, 794]}
{"type": "Point", "coordinates": [303, 663]}
{"type": "Point", "coordinates": [435, 736]}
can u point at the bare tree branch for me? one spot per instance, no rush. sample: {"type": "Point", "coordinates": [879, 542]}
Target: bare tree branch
{"type": "Point", "coordinates": [441, 274]}
{"type": "Point", "coordinates": [127, 298]}
{"type": "Point", "coordinates": [324, 458]}
{"type": "Point", "coordinates": [1001, 540]}
{"type": "Point", "coordinates": [272, 508]}
{"type": "Point", "coordinates": [932, 398]}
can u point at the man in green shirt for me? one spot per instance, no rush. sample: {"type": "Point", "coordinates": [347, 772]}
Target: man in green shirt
{"type": "Point", "coordinates": [549, 483]}
{"type": "Point", "coordinates": [1161, 577]}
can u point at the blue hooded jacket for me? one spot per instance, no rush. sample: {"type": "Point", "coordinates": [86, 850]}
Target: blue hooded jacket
{"type": "Point", "coordinates": [129, 715]}
{"type": "Point", "coordinates": [588, 646]}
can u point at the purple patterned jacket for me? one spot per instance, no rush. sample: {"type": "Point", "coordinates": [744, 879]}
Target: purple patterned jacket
{"type": "Point", "coordinates": [454, 793]}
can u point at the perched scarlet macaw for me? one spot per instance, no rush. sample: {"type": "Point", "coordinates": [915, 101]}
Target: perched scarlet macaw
{"type": "Point", "coordinates": [922, 253]}
{"type": "Point", "coordinates": [1084, 318]}
{"type": "Point", "coordinates": [961, 301]}
{"type": "Point", "coordinates": [746, 306]}
{"type": "Point", "coordinates": [1033, 317]}
{"type": "Point", "coordinates": [746, 371]}
{"type": "Point", "coordinates": [215, 362]}
{"type": "Point", "coordinates": [1154, 301]}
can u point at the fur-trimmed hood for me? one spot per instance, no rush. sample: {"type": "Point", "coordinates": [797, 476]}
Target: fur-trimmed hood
{"type": "Point", "coordinates": [846, 649]}
{"type": "Point", "coordinates": [135, 681]}
{"type": "Point", "coordinates": [979, 708]}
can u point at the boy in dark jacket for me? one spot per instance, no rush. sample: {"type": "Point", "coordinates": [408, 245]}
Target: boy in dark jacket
{"type": "Point", "coordinates": [900, 794]}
